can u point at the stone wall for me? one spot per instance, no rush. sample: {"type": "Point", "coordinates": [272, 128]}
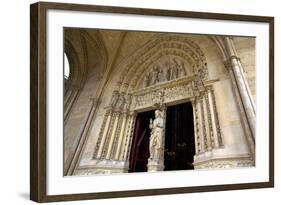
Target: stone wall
{"type": "Point", "coordinates": [246, 52]}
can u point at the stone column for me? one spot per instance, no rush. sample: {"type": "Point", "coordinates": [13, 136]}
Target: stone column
{"type": "Point", "coordinates": [164, 110]}
{"type": "Point", "coordinates": [203, 125]}
{"type": "Point", "coordinates": [246, 100]}
{"type": "Point", "coordinates": [197, 140]}
{"type": "Point", "coordinates": [207, 122]}
{"type": "Point", "coordinates": [112, 136]}
{"type": "Point", "coordinates": [68, 101]}
{"type": "Point", "coordinates": [214, 120]}
{"type": "Point", "coordinates": [104, 134]}
{"type": "Point", "coordinates": [130, 134]}
{"type": "Point", "coordinates": [126, 136]}
{"type": "Point", "coordinates": [121, 136]}
{"type": "Point", "coordinates": [244, 78]}
{"type": "Point", "coordinates": [242, 93]}
{"type": "Point", "coordinates": [242, 85]}
{"type": "Point", "coordinates": [200, 124]}
{"type": "Point", "coordinates": [246, 126]}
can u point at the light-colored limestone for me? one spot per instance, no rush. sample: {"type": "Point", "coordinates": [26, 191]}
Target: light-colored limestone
{"type": "Point", "coordinates": [115, 61]}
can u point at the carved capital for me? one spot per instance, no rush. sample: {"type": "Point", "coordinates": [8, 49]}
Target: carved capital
{"type": "Point", "coordinates": [133, 113]}
{"type": "Point", "coordinates": [228, 63]}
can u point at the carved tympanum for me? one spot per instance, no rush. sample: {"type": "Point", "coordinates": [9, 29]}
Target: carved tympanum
{"type": "Point", "coordinates": [166, 71]}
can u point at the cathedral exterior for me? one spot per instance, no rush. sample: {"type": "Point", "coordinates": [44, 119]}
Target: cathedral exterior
{"type": "Point", "coordinates": [126, 91]}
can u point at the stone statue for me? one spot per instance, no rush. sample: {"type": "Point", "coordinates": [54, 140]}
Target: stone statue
{"type": "Point", "coordinates": [121, 101]}
{"type": "Point", "coordinates": [147, 79]}
{"type": "Point", "coordinates": [155, 75]}
{"type": "Point", "coordinates": [156, 137]}
{"type": "Point", "coordinates": [168, 71]}
{"type": "Point", "coordinates": [128, 102]}
{"type": "Point", "coordinates": [161, 74]}
{"type": "Point", "coordinates": [114, 98]}
{"type": "Point", "coordinates": [182, 71]}
{"type": "Point", "coordinates": [174, 70]}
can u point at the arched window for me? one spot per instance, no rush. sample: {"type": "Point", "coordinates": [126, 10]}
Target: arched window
{"type": "Point", "coordinates": [66, 70]}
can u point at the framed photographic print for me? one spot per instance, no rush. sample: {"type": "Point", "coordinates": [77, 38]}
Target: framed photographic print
{"type": "Point", "coordinates": [134, 102]}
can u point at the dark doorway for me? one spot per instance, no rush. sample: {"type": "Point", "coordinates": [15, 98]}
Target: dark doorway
{"type": "Point", "coordinates": [179, 137]}
{"type": "Point", "coordinates": [140, 145]}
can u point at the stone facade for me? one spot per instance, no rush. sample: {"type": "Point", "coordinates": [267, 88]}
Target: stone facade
{"type": "Point", "coordinates": [116, 74]}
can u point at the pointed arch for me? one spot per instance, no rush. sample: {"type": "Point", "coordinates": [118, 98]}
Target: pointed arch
{"type": "Point", "coordinates": [162, 45]}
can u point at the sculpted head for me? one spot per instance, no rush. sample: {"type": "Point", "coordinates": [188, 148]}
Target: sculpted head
{"type": "Point", "coordinates": [156, 67]}
{"type": "Point", "coordinates": [157, 113]}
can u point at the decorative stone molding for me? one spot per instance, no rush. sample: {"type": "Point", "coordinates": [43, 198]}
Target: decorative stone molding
{"type": "Point", "coordinates": [196, 130]}
{"type": "Point", "coordinates": [209, 120]}
{"type": "Point", "coordinates": [203, 122]}
{"type": "Point", "coordinates": [108, 135]}
{"type": "Point", "coordinates": [117, 108]}
{"type": "Point", "coordinates": [119, 122]}
{"type": "Point", "coordinates": [129, 138]}
{"type": "Point", "coordinates": [224, 163]}
{"type": "Point", "coordinates": [103, 167]}
{"type": "Point", "coordinates": [175, 46]}
{"type": "Point", "coordinates": [104, 126]}
{"type": "Point", "coordinates": [215, 120]}
{"type": "Point", "coordinates": [155, 166]}
{"type": "Point", "coordinates": [206, 125]}
{"type": "Point", "coordinates": [178, 90]}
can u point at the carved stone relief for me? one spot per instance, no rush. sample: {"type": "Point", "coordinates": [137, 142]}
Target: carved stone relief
{"type": "Point", "coordinates": [166, 71]}
{"type": "Point", "coordinates": [206, 123]}
{"type": "Point", "coordinates": [168, 92]}
{"type": "Point", "coordinates": [180, 50]}
{"type": "Point", "coordinates": [207, 129]}
{"type": "Point", "coordinates": [225, 164]}
{"type": "Point", "coordinates": [116, 112]}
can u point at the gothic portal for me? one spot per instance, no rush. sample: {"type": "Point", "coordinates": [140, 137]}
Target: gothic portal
{"type": "Point", "coordinates": [147, 101]}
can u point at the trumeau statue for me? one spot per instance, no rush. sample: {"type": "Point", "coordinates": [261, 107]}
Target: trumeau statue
{"type": "Point", "coordinates": [156, 137]}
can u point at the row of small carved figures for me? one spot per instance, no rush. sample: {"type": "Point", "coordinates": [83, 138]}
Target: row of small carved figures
{"type": "Point", "coordinates": [120, 100]}
{"type": "Point", "coordinates": [177, 91]}
{"type": "Point", "coordinates": [171, 70]}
